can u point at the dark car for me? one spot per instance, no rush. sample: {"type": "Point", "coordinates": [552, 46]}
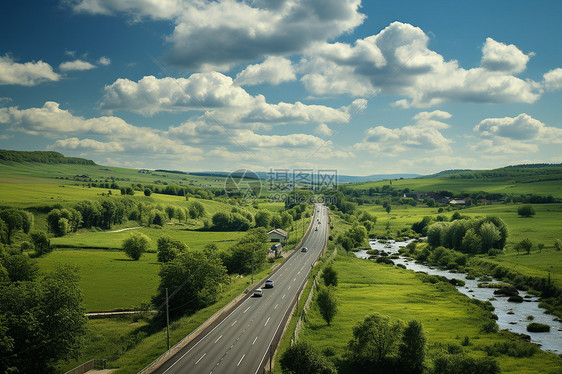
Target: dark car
{"type": "Point", "coordinates": [304, 249]}
{"type": "Point", "coordinates": [268, 284]}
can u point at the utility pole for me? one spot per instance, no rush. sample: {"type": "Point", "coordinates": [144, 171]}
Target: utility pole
{"type": "Point", "coordinates": [167, 320]}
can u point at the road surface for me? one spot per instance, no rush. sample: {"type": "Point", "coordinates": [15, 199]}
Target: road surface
{"type": "Point", "coordinates": [239, 344]}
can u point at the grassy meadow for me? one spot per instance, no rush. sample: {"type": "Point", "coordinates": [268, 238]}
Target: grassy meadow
{"type": "Point", "coordinates": [447, 316]}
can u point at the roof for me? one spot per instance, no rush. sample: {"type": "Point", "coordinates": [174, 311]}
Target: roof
{"type": "Point", "coordinates": [279, 232]}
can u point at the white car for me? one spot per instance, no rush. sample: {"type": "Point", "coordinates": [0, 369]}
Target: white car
{"type": "Point", "coordinates": [258, 292]}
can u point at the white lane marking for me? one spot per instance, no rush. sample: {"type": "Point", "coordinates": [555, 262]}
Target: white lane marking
{"type": "Point", "coordinates": [241, 360]}
{"type": "Point", "coordinates": [283, 297]}
{"type": "Point", "coordinates": [276, 306]}
{"type": "Point", "coordinates": [289, 288]}
{"type": "Point", "coordinates": [267, 321]}
{"type": "Point", "coordinates": [200, 358]}
{"type": "Point", "coordinates": [299, 272]}
{"type": "Point", "coordinates": [255, 340]}
{"type": "Point", "coordinates": [234, 323]}
{"type": "Point", "coordinates": [294, 279]}
{"type": "Point", "coordinates": [247, 309]}
{"type": "Point", "coordinates": [219, 338]}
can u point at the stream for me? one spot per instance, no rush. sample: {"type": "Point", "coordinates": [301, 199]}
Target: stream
{"type": "Point", "coordinates": [511, 316]}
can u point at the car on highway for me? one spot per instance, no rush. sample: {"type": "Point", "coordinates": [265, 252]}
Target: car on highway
{"type": "Point", "coordinates": [268, 284]}
{"type": "Point", "coordinates": [258, 292]}
{"type": "Point", "coordinates": [304, 249]}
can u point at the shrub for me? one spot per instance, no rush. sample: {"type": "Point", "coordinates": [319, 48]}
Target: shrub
{"type": "Point", "coordinates": [490, 327]}
{"type": "Point", "coordinates": [526, 211]}
{"type": "Point", "coordinates": [135, 245]}
{"type": "Point", "coordinates": [538, 327]}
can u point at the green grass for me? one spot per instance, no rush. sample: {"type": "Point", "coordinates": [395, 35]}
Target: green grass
{"type": "Point", "coordinates": [491, 185]}
{"type": "Point", "coordinates": [109, 279]}
{"type": "Point", "coordinates": [447, 316]}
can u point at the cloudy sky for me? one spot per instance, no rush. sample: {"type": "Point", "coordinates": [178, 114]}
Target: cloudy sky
{"type": "Point", "coordinates": [366, 87]}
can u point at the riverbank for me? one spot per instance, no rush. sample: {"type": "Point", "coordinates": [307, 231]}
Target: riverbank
{"type": "Point", "coordinates": [449, 318]}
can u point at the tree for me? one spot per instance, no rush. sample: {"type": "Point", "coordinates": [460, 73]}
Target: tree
{"type": "Point", "coordinates": [526, 245]}
{"type": "Point", "coordinates": [303, 358]}
{"type": "Point", "coordinates": [135, 245]}
{"type": "Point", "coordinates": [558, 244]}
{"type": "Point", "coordinates": [276, 221]}
{"type": "Point", "coordinates": [41, 243]}
{"type": "Point", "coordinates": [147, 192]}
{"type": "Point", "coordinates": [14, 220]}
{"type": "Point", "coordinates": [471, 242]}
{"type": "Point", "coordinates": [412, 348]}
{"type": "Point", "coordinates": [170, 211]}
{"type": "Point", "coordinates": [526, 211]}
{"type": "Point", "coordinates": [374, 340]}
{"type": "Point", "coordinates": [490, 235]}
{"type": "Point", "coordinates": [41, 322]}
{"type": "Point", "coordinates": [388, 208]}
{"type": "Point", "coordinates": [169, 249]}
{"type": "Point", "coordinates": [196, 210]}
{"type": "Point", "coordinates": [330, 276]}
{"type": "Point", "coordinates": [262, 218]}
{"type": "Point", "coordinates": [20, 267]}
{"type": "Point", "coordinates": [327, 303]}
{"type": "Point", "coordinates": [194, 281]}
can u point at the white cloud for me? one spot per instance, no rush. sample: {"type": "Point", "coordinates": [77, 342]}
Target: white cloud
{"type": "Point", "coordinates": [323, 130]}
{"type": "Point", "coordinates": [26, 74]}
{"type": "Point", "coordinates": [51, 121]}
{"type": "Point", "coordinates": [216, 34]}
{"type": "Point", "coordinates": [511, 135]}
{"type": "Point", "coordinates": [76, 65]}
{"type": "Point", "coordinates": [273, 70]}
{"type": "Point", "coordinates": [87, 145]}
{"type": "Point", "coordinates": [397, 61]}
{"type": "Point", "coordinates": [104, 61]}
{"type": "Point", "coordinates": [498, 56]}
{"type": "Point", "coordinates": [436, 114]}
{"type": "Point", "coordinates": [424, 135]}
{"type": "Point", "coordinates": [216, 95]}
{"type": "Point", "coordinates": [553, 80]}
{"type": "Point", "coordinates": [522, 127]}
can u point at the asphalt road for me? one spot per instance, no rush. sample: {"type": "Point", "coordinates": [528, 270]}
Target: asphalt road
{"type": "Point", "coordinates": [239, 343]}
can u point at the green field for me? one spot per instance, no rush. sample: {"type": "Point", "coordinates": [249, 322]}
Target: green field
{"type": "Point", "coordinates": [447, 316]}
{"type": "Point", "coordinates": [491, 185]}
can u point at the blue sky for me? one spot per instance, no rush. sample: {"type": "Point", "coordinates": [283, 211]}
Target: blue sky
{"type": "Point", "coordinates": [364, 87]}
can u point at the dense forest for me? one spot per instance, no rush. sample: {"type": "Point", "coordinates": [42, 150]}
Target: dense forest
{"type": "Point", "coordinates": [43, 157]}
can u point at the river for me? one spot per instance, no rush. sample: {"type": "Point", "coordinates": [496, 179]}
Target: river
{"type": "Point", "coordinates": [511, 316]}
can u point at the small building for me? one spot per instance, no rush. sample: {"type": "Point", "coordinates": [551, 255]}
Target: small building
{"type": "Point", "coordinates": [457, 202]}
{"type": "Point", "coordinates": [278, 236]}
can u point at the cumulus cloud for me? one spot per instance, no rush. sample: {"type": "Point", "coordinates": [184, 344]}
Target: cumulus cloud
{"type": "Point", "coordinates": [323, 130]}
{"type": "Point", "coordinates": [76, 65]}
{"type": "Point", "coordinates": [216, 34]}
{"type": "Point", "coordinates": [523, 128]}
{"type": "Point", "coordinates": [26, 74]}
{"type": "Point", "coordinates": [51, 121]}
{"type": "Point", "coordinates": [216, 95]}
{"type": "Point", "coordinates": [498, 56]}
{"type": "Point", "coordinates": [273, 70]}
{"type": "Point", "coordinates": [104, 61]}
{"type": "Point", "coordinates": [553, 79]}
{"type": "Point", "coordinates": [424, 135]}
{"type": "Point", "coordinates": [398, 61]}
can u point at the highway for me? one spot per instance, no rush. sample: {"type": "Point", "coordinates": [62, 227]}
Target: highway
{"type": "Point", "coordinates": [240, 342]}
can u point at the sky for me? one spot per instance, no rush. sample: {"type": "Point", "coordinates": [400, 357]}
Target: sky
{"type": "Point", "coordinates": [362, 87]}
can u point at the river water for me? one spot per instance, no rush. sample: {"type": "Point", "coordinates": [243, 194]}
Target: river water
{"type": "Point", "coordinates": [511, 316]}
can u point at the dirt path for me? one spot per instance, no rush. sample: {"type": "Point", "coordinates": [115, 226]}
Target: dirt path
{"type": "Point", "coordinates": [128, 228]}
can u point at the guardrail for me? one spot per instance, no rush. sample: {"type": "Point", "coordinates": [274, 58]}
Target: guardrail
{"type": "Point", "coordinates": [87, 366]}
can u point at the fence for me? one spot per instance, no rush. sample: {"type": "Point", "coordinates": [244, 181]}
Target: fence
{"type": "Point", "coordinates": [87, 366]}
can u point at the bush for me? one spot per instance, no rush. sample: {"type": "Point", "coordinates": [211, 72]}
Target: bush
{"type": "Point", "coordinates": [526, 211]}
{"type": "Point", "coordinates": [538, 327]}
{"type": "Point", "coordinates": [461, 363]}
{"type": "Point", "coordinates": [135, 245]}
{"type": "Point", "coordinates": [303, 358]}
{"type": "Point", "coordinates": [513, 349]}
{"type": "Point", "coordinates": [515, 299]}
{"type": "Point", "coordinates": [490, 327]}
